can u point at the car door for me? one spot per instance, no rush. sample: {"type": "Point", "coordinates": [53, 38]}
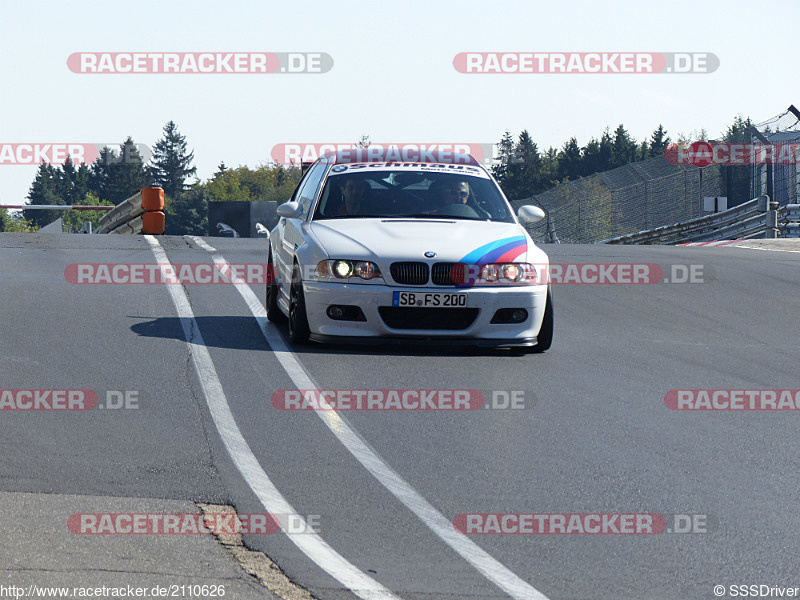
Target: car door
{"type": "Point", "coordinates": [290, 230]}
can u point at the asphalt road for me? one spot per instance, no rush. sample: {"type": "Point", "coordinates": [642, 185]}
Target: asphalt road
{"type": "Point", "coordinates": [594, 436]}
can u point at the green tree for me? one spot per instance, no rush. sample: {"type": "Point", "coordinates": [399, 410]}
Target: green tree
{"type": "Point", "coordinates": [187, 213]}
{"type": "Point", "coordinates": [268, 182]}
{"type": "Point", "coordinates": [74, 219]}
{"type": "Point", "coordinates": [658, 142]}
{"type": "Point", "coordinates": [14, 223]}
{"type": "Point", "coordinates": [171, 163]}
{"type": "Point", "coordinates": [117, 177]}
{"type": "Point", "coordinates": [505, 157]}
{"type": "Point", "coordinates": [597, 155]}
{"type": "Point", "coordinates": [643, 152]}
{"type": "Point", "coordinates": [569, 161]}
{"type": "Point", "coordinates": [226, 186]}
{"type": "Point", "coordinates": [100, 172]}
{"type": "Point", "coordinates": [74, 182]}
{"type": "Point", "coordinates": [549, 168]}
{"type": "Point", "coordinates": [45, 189]}
{"type": "Point", "coordinates": [525, 173]}
{"type": "Point", "coordinates": [624, 147]}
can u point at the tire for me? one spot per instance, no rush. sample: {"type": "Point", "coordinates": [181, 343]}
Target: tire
{"type": "Point", "coordinates": [545, 337]}
{"type": "Point", "coordinates": [274, 313]}
{"type": "Point", "coordinates": [298, 320]}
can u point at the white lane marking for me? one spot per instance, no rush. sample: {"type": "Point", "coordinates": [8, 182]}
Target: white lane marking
{"type": "Point", "coordinates": [311, 544]}
{"type": "Point", "coordinates": [766, 249]}
{"type": "Point", "coordinates": [202, 243]}
{"type": "Point", "coordinates": [485, 563]}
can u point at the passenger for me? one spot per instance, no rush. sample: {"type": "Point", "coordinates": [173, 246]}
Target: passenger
{"type": "Point", "coordinates": [450, 192]}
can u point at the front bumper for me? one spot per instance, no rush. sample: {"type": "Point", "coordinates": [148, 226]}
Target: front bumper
{"type": "Point", "coordinates": [370, 297]}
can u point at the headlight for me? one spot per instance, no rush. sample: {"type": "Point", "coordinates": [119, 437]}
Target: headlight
{"type": "Point", "coordinates": [511, 272]}
{"type": "Point", "coordinates": [506, 274]}
{"type": "Point", "coordinates": [489, 273]}
{"type": "Point", "coordinates": [366, 270]}
{"type": "Point", "coordinates": [342, 269]}
{"type": "Point", "coordinates": [345, 269]}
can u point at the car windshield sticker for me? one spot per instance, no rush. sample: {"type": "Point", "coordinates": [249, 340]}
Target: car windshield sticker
{"type": "Point", "coordinates": [426, 167]}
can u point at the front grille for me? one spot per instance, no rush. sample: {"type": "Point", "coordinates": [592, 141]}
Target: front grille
{"type": "Point", "coordinates": [449, 273]}
{"type": "Point", "coordinates": [410, 317]}
{"type": "Point", "coordinates": [410, 273]}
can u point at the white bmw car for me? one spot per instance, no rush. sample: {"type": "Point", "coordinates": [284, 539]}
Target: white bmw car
{"type": "Point", "coordinates": [407, 251]}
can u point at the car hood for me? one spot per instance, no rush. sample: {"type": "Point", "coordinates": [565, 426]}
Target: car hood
{"type": "Point", "coordinates": [390, 239]}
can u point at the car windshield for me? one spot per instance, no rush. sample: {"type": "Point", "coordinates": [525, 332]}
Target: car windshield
{"type": "Point", "coordinates": [368, 193]}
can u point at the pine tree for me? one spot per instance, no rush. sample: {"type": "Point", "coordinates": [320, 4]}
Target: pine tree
{"type": "Point", "coordinates": [549, 168]}
{"type": "Point", "coordinates": [171, 163]}
{"type": "Point", "coordinates": [117, 177]}
{"type": "Point", "coordinates": [527, 171]}
{"type": "Point", "coordinates": [624, 147]}
{"type": "Point", "coordinates": [590, 158]}
{"type": "Point", "coordinates": [659, 141]}
{"type": "Point", "coordinates": [74, 184]}
{"type": "Point", "coordinates": [643, 152]}
{"type": "Point", "coordinates": [569, 161]}
{"type": "Point", "coordinates": [45, 189]}
{"type": "Point", "coordinates": [597, 155]}
{"type": "Point", "coordinates": [505, 157]}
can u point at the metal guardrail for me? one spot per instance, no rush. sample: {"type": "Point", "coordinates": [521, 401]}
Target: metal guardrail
{"type": "Point", "coordinates": [755, 218]}
{"type": "Point", "coordinates": [54, 207]}
{"type": "Point", "coordinates": [791, 229]}
{"type": "Point", "coordinates": [141, 213]}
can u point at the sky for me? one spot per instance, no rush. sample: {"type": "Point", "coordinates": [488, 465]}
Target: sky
{"type": "Point", "coordinates": [392, 76]}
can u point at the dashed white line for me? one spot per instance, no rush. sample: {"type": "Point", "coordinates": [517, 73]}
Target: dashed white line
{"type": "Point", "coordinates": [487, 565]}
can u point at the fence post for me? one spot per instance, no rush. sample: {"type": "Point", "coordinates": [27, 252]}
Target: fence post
{"type": "Point", "coordinates": [770, 216]}
{"type": "Point", "coordinates": [772, 224]}
{"type": "Point", "coordinates": [551, 238]}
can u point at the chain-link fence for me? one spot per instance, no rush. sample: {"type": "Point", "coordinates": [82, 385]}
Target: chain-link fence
{"type": "Point", "coordinates": [628, 199]}
{"type": "Point", "coordinates": [779, 181]}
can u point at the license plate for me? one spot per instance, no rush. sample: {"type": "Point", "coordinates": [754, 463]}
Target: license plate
{"type": "Point", "coordinates": [429, 300]}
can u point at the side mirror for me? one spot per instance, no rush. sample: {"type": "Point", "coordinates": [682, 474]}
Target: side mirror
{"type": "Point", "coordinates": [530, 214]}
{"type": "Point", "coordinates": [290, 210]}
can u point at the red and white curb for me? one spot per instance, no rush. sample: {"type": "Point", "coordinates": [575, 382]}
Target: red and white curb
{"type": "Point", "coordinates": [717, 243]}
